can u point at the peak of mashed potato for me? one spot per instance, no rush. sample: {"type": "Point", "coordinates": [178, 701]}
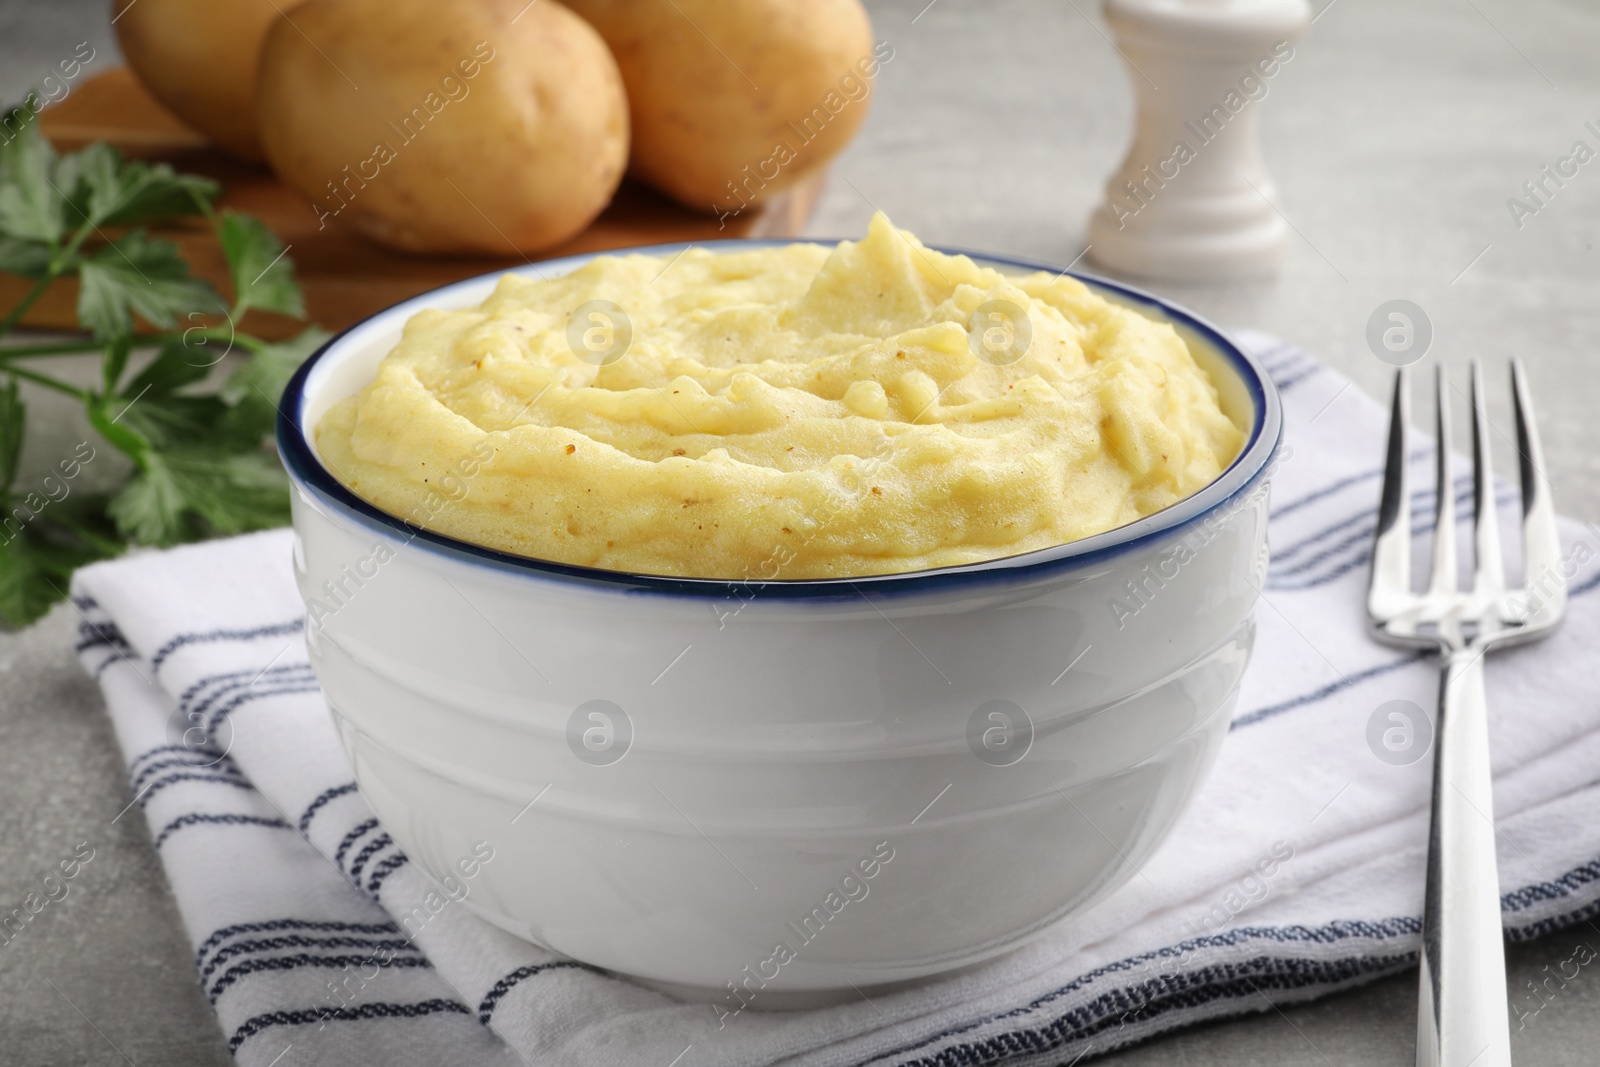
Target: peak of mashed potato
{"type": "Point", "coordinates": [789, 412]}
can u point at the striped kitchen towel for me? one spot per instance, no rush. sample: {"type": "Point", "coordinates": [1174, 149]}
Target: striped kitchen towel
{"type": "Point", "coordinates": [1296, 872]}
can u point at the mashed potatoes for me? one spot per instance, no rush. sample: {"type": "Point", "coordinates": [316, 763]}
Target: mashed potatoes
{"type": "Point", "coordinates": [789, 412]}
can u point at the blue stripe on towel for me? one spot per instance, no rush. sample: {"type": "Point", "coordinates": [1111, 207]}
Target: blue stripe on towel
{"type": "Point", "coordinates": [251, 946]}
{"type": "Point", "coordinates": [221, 685]}
{"type": "Point", "coordinates": [1564, 886]}
{"type": "Point", "coordinates": [255, 1025]}
{"type": "Point", "coordinates": [323, 798]}
{"type": "Point", "coordinates": [295, 963]}
{"type": "Point", "coordinates": [194, 750]}
{"type": "Point", "coordinates": [186, 697]}
{"type": "Point", "coordinates": [181, 640]}
{"type": "Point", "coordinates": [1291, 357]}
{"type": "Point", "coordinates": [1323, 493]}
{"type": "Point", "coordinates": [172, 779]}
{"type": "Point", "coordinates": [210, 819]}
{"type": "Point", "coordinates": [382, 871]}
{"type": "Point", "coordinates": [1361, 559]}
{"type": "Point", "coordinates": [99, 632]}
{"type": "Point", "coordinates": [222, 766]}
{"type": "Point", "coordinates": [358, 862]}
{"type": "Point", "coordinates": [1340, 484]}
{"type": "Point", "coordinates": [506, 984]}
{"type": "Point", "coordinates": [351, 838]}
{"type": "Point", "coordinates": [224, 710]}
{"type": "Point", "coordinates": [271, 925]}
{"type": "Point", "coordinates": [1584, 586]}
{"type": "Point", "coordinates": [1316, 696]}
{"type": "Point", "coordinates": [1224, 982]}
{"type": "Point", "coordinates": [1360, 542]}
{"type": "Point", "coordinates": [100, 635]}
{"type": "Point", "coordinates": [116, 656]}
{"type": "Point", "coordinates": [1583, 913]}
{"type": "Point", "coordinates": [1186, 989]}
{"type": "Point", "coordinates": [1357, 563]}
{"type": "Point", "coordinates": [1423, 521]}
{"type": "Point", "coordinates": [1422, 510]}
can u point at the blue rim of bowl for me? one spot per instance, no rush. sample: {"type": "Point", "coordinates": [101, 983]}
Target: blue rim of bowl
{"type": "Point", "coordinates": [1247, 469]}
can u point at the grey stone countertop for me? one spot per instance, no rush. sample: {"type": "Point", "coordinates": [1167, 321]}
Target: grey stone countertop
{"type": "Point", "coordinates": [1396, 135]}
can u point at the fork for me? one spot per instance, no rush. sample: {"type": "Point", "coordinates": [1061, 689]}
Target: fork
{"type": "Point", "coordinates": [1461, 1012]}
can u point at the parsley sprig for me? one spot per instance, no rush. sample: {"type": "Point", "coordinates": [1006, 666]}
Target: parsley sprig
{"type": "Point", "coordinates": [200, 464]}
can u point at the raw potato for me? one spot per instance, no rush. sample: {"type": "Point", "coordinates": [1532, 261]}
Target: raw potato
{"type": "Point", "coordinates": [489, 126]}
{"type": "Point", "coordinates": [199, 58]}
{"type": "Point", "coordinates": [730, 99]}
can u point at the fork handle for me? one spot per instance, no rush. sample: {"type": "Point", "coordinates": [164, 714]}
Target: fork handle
{"type": "Point", "coordinates": [1462, 1012]}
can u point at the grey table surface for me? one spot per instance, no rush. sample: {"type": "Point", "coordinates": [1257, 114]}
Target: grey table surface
{"type": "Point", "coordinates": [1396, 135]}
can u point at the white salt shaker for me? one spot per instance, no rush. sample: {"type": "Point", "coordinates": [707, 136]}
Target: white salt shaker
{"type": "Point", "coordinates": [1193, 201]}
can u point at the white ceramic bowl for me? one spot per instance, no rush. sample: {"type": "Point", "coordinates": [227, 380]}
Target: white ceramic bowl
{"type": "Point", "coordinates": [794, 787]}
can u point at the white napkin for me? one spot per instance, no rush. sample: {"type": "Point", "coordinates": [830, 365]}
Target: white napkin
{"type": "Point", "coordinates": [1298, 870]}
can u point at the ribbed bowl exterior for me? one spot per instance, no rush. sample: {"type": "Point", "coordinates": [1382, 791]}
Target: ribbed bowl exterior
{"type": "Point", "coordinates": [777, 747]}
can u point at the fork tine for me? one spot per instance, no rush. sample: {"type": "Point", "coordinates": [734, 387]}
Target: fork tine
{"type": "Point", "coordinates": [1390, 581]}
{"type": "Point", "coordinates": [1444, 579]}
{"type": "Point", "coordinates": [1489, 576]}
{"type": "Point", "coordinates": [1541, 544]}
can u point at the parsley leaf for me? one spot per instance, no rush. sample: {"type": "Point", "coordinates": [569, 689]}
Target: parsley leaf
{"type": "Point", "coordinates": [234, 493]}
{"type": "Point", "coordinates": [35, 567]}
{"type": "Point", "coordinates": [143, 274]}
{"type": "Point", "coordinates": [169, 421]}
{"type": "Point", "coordinates": [30, 204]}
{"type": "Point", "coordinates": [201, 468]}
{"type": "Point", "coordinates": [187, 492]}
{"type": "Point", "coordinates": [31, 259]}
{"type": "Point", "coordinates": [178, 365]}
{"type": "Point", "coordinates": [263, 277]}
{"type": "Point", "coordinates": [256, 388]}
{"type": "Point", "coordinates": [38, 556]}
{"type": "Point", "coordinates": [149, 509]}
{"type": "Point", "coordinates": [105, 190]}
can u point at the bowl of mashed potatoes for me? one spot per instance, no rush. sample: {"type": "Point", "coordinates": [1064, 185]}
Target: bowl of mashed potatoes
{"type": "Point", "coordinates": [792, 617]}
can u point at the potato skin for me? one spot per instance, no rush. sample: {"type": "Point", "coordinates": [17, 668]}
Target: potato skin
{"type": "Point", "coordinates": [483, 126]}
{"type": "Point", "coordinates": [715, 86]}
{"type": "Point", "coordinates": [199, 58]}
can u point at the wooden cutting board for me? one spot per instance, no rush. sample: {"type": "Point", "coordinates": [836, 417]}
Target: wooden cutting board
{"type": "Point", "coordinates": [345, 277]}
